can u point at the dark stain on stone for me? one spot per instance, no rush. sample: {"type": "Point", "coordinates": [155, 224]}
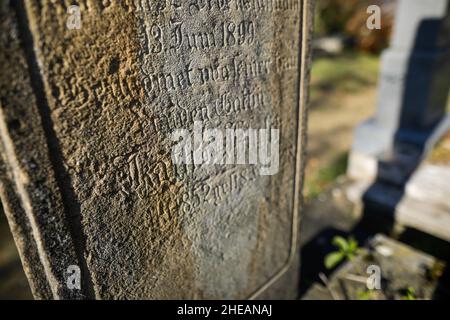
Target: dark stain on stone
{"type": "Point", "coordinates": [114, 65]}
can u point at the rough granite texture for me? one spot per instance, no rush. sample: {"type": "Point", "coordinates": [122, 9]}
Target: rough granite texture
{"type": "Point", "coordinates": [86, 171]}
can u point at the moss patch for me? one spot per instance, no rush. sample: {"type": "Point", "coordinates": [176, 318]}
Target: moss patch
{"type": "Point", "coordinates": [441, 153]}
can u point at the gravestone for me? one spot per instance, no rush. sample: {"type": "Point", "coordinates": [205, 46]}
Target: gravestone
{"type": "Point", "coordinates": [412, 95]}
{"type": "Point", "coordinates": [91, 98]}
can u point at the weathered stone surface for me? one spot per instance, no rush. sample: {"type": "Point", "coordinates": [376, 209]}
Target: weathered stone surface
{"type": "Point", "coordinates": [28, 189]}
{"type": "Point", "coordinates": [87, 174]}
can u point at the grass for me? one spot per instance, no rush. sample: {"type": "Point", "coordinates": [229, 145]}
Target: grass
{"type": "Point", "coordinates": [318, 182]}
{"type": "Point", "coordinates": [346, 73]}
{"type": "Point", "coordinates": [441, 153]}
{"type": "Point", "coordinates": [333, 78]}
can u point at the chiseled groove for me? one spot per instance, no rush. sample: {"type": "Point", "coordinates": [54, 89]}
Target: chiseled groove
{"type": "Point", "coordinates": [303, 23]}
{"type": "Point", "coordinates": [304, 39]}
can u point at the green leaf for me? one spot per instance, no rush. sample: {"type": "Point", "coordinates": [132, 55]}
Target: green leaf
{"type": "Point", "coordinates": [340, 242]}
{"type": "Point", "coordinates": [350, 255]}
{"type": "Point", "coordinates": [352, 244]}
{"type": "Point", "coordinates": [410, 294]}
{"type": "Point", "coordinates": [364, 295]}
{"type": "Point", "coordinates": [332, 259]}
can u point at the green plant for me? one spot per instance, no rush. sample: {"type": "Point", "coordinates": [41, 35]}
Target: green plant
{"type": "Point", "coordinates": [333, 15]}
{"type": "Point", "coordinates": [365, 295]}
{"type": "Point", "coordinates": [410, 294]}
{"type": "Point", "coordinates": [325, 177]}
{"type": "Point", "coordinates": [347, 249]}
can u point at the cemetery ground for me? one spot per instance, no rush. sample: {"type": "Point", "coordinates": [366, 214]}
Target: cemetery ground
{"type": "Point", "coordinates": [343, 94]}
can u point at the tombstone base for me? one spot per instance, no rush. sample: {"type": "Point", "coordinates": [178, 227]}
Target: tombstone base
{"type": "Point", "coordinates": [411, 190]}
{"type": "Point", "coordinates": [422, 203]}
{"type": "Point", "coordinates": [372, 156]}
